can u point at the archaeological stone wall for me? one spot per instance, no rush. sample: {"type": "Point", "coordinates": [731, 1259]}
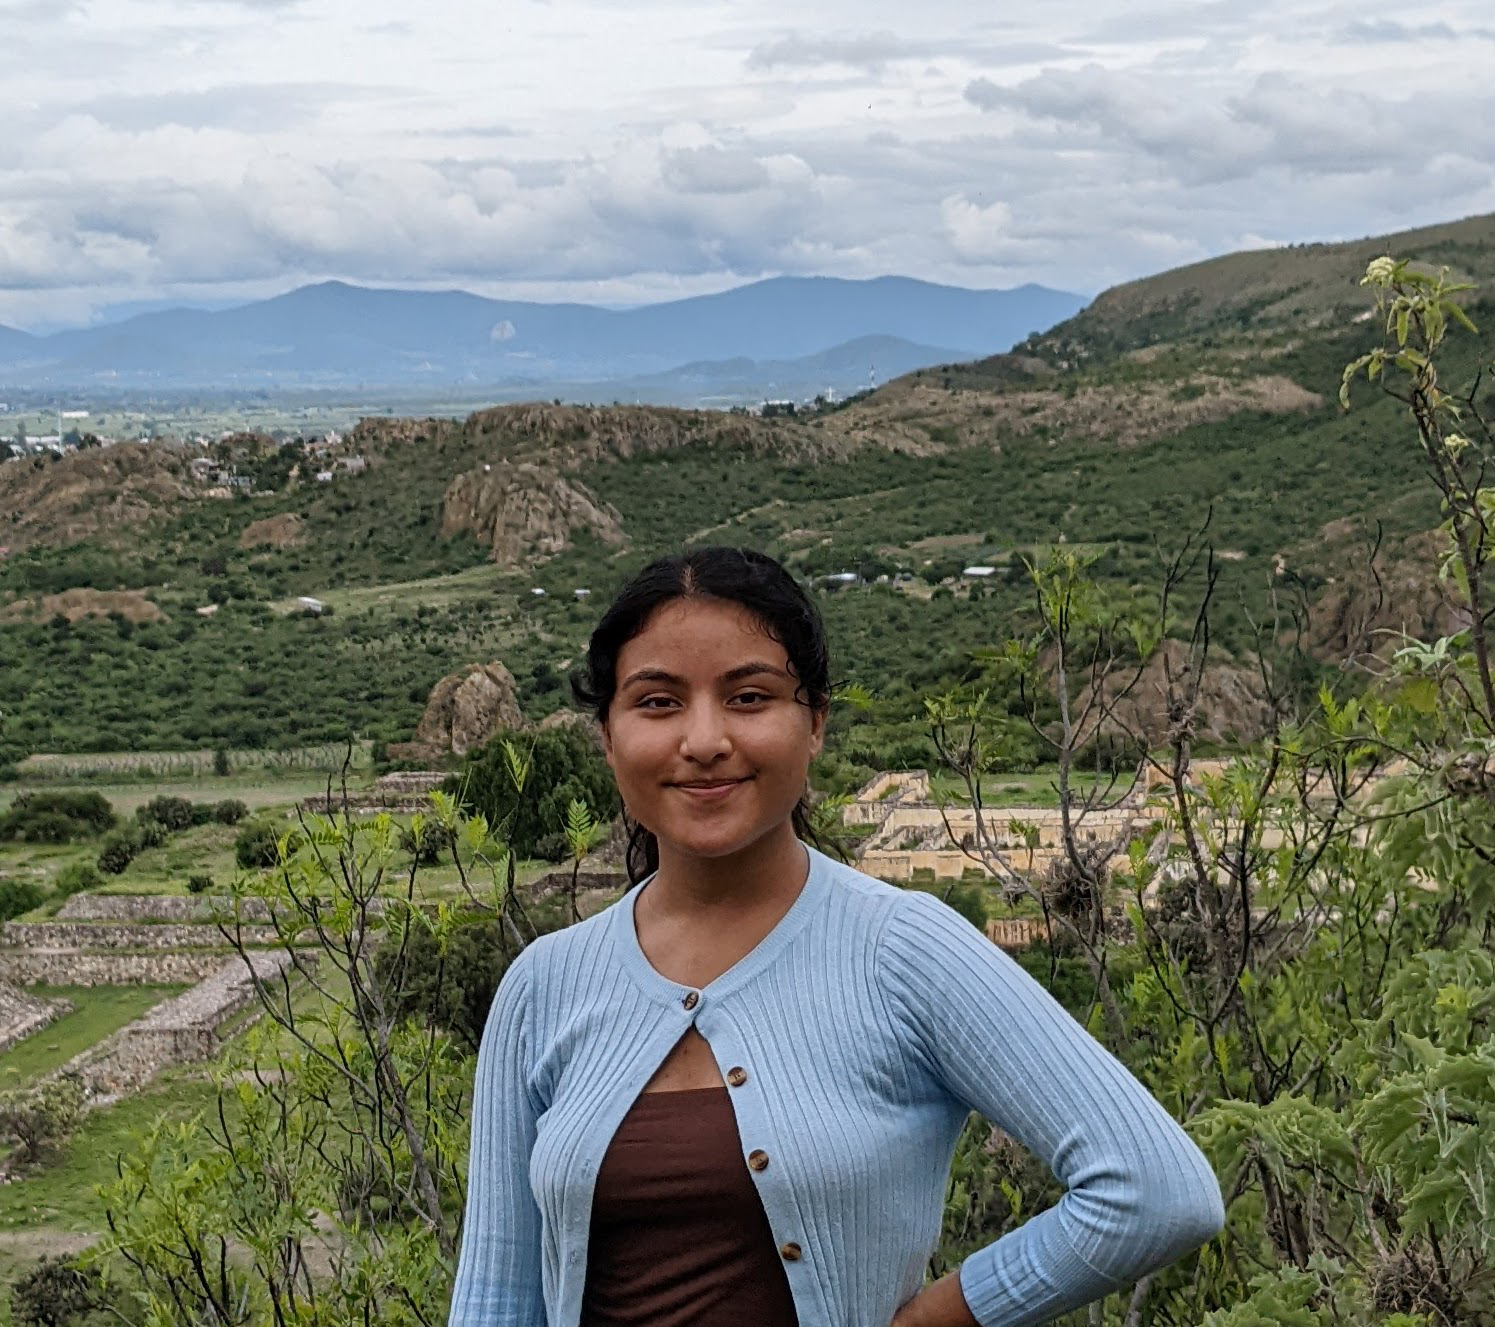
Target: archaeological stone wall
{"type": "Point", "coordinates": [184, 1030]}
{"type": "Point", "coordinates": [158, 908]}
{"type": "Point", "coordinates": [124, 935]}
{"type": "Point", "coordinates": [71, 967]}
{"type": "Point", "coordinates": [22, 1015]}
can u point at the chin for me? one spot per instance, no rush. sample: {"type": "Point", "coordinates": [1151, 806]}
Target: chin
{"type": "Point", "coordinates": [713, 842]}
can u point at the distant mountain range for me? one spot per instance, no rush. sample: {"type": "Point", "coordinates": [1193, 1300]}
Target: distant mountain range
{"type": "Point", "coordinates": [774, 337]}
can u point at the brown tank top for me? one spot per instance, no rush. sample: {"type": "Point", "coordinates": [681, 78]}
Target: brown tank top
{"type": "Point", "coordinates": [679, 1237]}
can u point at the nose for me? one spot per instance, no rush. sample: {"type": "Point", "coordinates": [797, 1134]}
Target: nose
{"type": "Point", "coordinates": [703, 736]}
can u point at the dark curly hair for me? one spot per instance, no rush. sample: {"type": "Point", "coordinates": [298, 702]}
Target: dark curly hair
{"type": "Point", "coordinates": [736, 575]}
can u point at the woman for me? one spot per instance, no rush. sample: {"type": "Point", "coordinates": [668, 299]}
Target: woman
{"type": "Point", "coordinates": [732, 1098]}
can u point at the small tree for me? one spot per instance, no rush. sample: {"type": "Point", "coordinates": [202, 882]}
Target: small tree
{"type": "Point", "coordinates": [39, 1119]}
{"type": "Point", "coordinates": [119, 850]}
{"type": "Point", "coordinates": [257, 846]}
{"type": "Point", "coordinates": [57, 1292]}
{"type": "Point", "coordinates": [562, 764]}
{"type": "Point", "coordinates": [175, 813]}
{"type": "Point", "coordinates": [342, 1119]}
{"type": "Point", "coordinates": [18, 896]}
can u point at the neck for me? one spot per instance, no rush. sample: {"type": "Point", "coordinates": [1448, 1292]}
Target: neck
{"type": "Point", "coordinates": [769, 870]}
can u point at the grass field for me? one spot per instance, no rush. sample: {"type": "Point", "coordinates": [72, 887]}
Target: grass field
{"type": "Point", "coordinates": [484, 584]}
{"type": "Point", "coordinates": [256, 789]}
{"type": "Point", "coordinates": [62, 1196]}
{"type": "Point", "coordinates": [1039, 789]}
{"type": "Point", "coordinates": [98, 1011]}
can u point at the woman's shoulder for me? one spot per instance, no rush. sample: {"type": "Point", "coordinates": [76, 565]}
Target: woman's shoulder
{"type": "Point", "coordinates": [866, 893]}
{"type": "Point", "coordinates": [562, 952]}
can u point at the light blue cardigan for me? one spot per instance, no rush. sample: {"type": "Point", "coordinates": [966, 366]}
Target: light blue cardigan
{"type": "Point", "coordinates": [868, 1024]}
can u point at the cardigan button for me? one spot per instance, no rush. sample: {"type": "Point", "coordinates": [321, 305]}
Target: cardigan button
{"type": "Point", "coordinates": [758, 1160]}
{"type": "Point", "coordinates": [790, 1252]}
{"type": "Point", "coordinates": [692, 1000]}
{"type": "Point", "coordinates": [737, 1076]}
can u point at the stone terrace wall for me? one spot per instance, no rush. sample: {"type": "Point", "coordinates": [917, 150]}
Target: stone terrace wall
{"type": "Point", "coordinates": [71, 967]}
{"type": "Point", "coordinates": [401, 791]}
{"type": "Point", "coordinates": [157, 908]}
{"type": "Point", "coordinates": [121, 935]}
{"type": "Point", "coordinates": [1016, 932]}
{"type": "Point", "coordinates": [182, 1030]}
{"type": "Point", "coordinates": [21, 1015]}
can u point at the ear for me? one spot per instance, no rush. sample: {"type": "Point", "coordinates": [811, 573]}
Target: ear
{"type": "Point", "coordinates": [607, 745]}
{"type": "Point", "coordinates": [817, 731]}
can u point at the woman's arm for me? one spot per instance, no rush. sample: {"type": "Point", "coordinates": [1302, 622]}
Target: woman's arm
{"type": "Point", "coordinates": [1139, 1194]}
{"type": "Point", "coordinates": [498, 1270]}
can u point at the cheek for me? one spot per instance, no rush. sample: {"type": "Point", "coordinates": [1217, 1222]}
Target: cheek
{"type": "Point", "coordinates": [638, 749]}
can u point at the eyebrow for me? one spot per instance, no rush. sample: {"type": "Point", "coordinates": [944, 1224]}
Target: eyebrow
{"type": "Point", "coordinates": [756, 668]}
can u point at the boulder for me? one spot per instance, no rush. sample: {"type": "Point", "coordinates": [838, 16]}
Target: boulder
{"type": "Point", "coordinates": [464, 710]}
{"type": "Point", "coordinates": [523, 511]}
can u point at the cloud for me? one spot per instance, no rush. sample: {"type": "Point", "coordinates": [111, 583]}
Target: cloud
{"type": "Point", "coordinates": [607, 151]}
{"type": "Point", "coordinates": [871, 52]}
{"type": "Point", "coordinates": [259, 108]}
{"type": "Point", "coordinates": [1276, 123]}
{"type": "Point", "coordinates": [1390, 30]}
{"type": "Point", "coordinates": [714, 170]}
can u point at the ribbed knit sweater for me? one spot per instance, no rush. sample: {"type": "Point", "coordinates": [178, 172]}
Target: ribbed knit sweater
{"type": "Point", "coordinates": [866, 1026]}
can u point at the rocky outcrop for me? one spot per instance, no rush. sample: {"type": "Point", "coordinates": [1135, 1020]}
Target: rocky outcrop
{"type": "Point", "coordinates": [1369, 610]}
{"type": "Point", "coordinates": [284, 531]}
{"type": "Point", "coordinates": [76, 604]}
{"type": "Point", "coordinates": [1229, 708]}
{"type": "Point", "coordinates": [465, 709]}
{"type": "Point", "coordinates": [100, 494]}
{"type": "Point", "coordinates": [525, 511]}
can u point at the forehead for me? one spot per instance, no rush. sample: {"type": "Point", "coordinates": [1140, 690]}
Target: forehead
{"type": "Point", "coordinates": [699, 635]}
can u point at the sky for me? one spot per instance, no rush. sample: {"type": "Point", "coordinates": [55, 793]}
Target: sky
{"type": "Point", "coordinates": [626, 151]}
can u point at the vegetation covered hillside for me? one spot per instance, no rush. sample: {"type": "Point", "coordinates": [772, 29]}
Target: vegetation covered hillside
{"type": "Point", "coordinates": [1263, 292]}
{"type": "Point", "coordinates": [431, 537]}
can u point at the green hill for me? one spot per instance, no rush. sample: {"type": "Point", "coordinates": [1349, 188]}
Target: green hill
{"type": "Point", "coordinates": [1208, 390]}
{"type": "Point", "coordinates": [1260, 292]}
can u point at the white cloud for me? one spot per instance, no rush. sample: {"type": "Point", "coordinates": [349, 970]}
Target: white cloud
{"type": "Point", "coordinates": [619, 152]}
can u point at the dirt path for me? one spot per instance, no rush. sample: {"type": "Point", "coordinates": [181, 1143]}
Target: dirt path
{"type": "Point", "coordinates": [27, 1245]}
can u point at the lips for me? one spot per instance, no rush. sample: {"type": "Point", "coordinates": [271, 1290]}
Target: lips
{"type": "Point", "coordinates": [709, 791]}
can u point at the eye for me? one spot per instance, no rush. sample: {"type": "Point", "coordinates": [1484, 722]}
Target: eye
{"type": "Point", "coordinates": [752, 697]}
{"type": "Point", "coordinates": [654, 702]}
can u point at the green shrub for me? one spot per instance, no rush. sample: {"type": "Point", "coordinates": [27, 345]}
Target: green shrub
{"type": "Point", "coordinates": [199, 883]}
{"type": "Point", "coordinates": [174, 813]}
{"type": "Point", "coordinates": [47, 827]}
{"type": "Point", "coordinates": [118, 852]}
{"type": "Point", "coordinates": [428, 851]}
{"type": "Point", "coordinates": [57, 1292]}
{"type": "Point", "coordinates": [77, 878]}
{"type": "Point", "coordinates": [221, 765]}
{"type": "Point", "coordinates": [18, 896]}
{"type": "Point", "coordinates": [565, 763]}
{"type": "Point", "coordinates": [56, 817]}
{"type": "Point", "coordinates": [37, 1120]}
{"type": "Point", "coordinates": [451, 989]}
{"type": "Point", "coordinates": [257, 846]}
{"type": "Point", "coordinates": [150, 834]}
{"type": "Point", "coordinates": [230, 811]}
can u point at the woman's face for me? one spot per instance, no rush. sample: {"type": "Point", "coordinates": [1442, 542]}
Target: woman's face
{"type": "Point", "coordinates": [709, 747]}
